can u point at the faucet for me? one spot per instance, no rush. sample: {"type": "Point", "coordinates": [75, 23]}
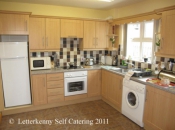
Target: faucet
{"type": "Point", "coordinates": [133, 66]}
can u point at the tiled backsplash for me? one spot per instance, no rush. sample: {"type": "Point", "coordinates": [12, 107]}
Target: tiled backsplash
{"type": "Point", "coordinates": [69, 52]}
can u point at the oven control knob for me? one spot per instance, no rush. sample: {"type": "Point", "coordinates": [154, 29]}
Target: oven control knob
{"type": "Point", "coordinates": [70, 75]}
{"type": "Point", "coordinates": [83, 73]}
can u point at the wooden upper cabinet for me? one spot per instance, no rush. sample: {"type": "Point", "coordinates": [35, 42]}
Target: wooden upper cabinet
{"type": "Point", "coordinates": [52, 33]}
{"type": "Point", "coordinates": [167, 33]}
{"type": "Point", "coordinates": [94, 83]}
{"type": "Point", "coordinates": [101, 35]}
{"type": "Point", "coordinates": [14, 24]}
{"type": "Point", "coordinates": [44, 34]}
{"type": "Point", "coordinates": [159, 113]}
{"type": "Point", "coordinates": [71, 28]}
{"type": "Point", "coordinates": [39, 88]}
{"type": "Point", "coordinates": [37, 33]}
{"type": "Point", "coordinates": [95, 35]}
{"type": "Point", "coordinates": [89, 35]}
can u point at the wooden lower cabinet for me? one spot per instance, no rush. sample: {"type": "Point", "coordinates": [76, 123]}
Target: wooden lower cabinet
{"type": "Point", "coordinates": [159, 113]}
{"type": "Point", "coordinates": [39, 89]}
{"type": "Point", "coordinates": [94, 83]}
{"type": "Point", "coordinates": [0, 117]}
{"type": "Point", "coordinates": [112, 88]}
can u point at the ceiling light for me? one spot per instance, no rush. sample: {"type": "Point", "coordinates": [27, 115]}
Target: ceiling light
{"type": "Point", "coordinates": [107, 0]}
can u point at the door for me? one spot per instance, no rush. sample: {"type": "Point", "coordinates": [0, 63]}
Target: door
{"type": "Point", "coordinates": [37, 33]}
{"type": "Point", "coordinates": [132, 99]}
{"type": "Point", "coordinates": [74, 86]}
{"type": "Point", "coordinates": [39, 89]}
{"type": "Point", "coordinates": [94, 83]}
{"type": "Point", "coordinates": [115, 90]}
{"type": "Point", "coordinates": [16, 83]}
{"type": "Point", "coordinates": [168, 28]}
{"type": "Point", "coordinates": [14, 24]}
{"type": "Point", "coordinates": [52, 33]}
{"type": "Point", "coordinates": [101, 35]}
{"type": "Point", "coordinates": [159, 111]}
{"type": "Point", "coordinates": [71, 28]}
{"type": "Point", "coordinates": [89, 35]}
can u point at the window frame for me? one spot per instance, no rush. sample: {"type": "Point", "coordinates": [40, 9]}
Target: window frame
{"type": "Point", "coordinates": [142, 39]}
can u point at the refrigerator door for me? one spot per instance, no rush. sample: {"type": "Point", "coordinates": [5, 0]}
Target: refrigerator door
{"type": "Point", "coordinates": [16, 84]}
{"type": "Point", "coordinates": [13, 49]}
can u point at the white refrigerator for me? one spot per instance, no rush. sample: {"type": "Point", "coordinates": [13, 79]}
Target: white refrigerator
{"type": "Point", "coordinates": [15, 73]}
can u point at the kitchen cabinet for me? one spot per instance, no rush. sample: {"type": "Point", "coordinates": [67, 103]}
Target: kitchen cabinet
{"type": "Point", "coordinates": [94, 83]}
{"type": "Point", "coordinates": [39, 89]}
{"type": "Point", "coordinates": [71, 28]}
{"type": "Point", "coordinates": [55, 87]}
{"type": "Point", "coordinates": [112, 88]}
{"type": "Point", "coordinates": [167, 30]}
{"type": "Point", "coordinates": [14, 24]}
{"type": "Point", "coordinates": [44, 34]}
{"type": "Point", "coordinates": [95, 35]}
{"type": "Point", "coordinates": [159, 113]}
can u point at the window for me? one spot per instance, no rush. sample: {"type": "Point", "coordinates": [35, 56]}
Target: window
{"type": "Point", "coordinates": [140, 40]}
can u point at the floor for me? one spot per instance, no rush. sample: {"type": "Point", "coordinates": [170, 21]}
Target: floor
{"type": "Point", "coordinates": [82, 116]}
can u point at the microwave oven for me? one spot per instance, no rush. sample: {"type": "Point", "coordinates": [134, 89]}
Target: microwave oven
{"type": "Point", "coordinates": [38, 63]}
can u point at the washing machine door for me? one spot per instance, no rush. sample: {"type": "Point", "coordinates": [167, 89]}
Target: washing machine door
{"type": "Point", "coordinates": [132, 99]}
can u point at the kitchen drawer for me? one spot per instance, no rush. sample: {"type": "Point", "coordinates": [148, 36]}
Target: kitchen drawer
{"type": "Point", "coordinates": [55, 91]}
{"type": "Point", "coordinates": [55, 84]}
{"type": "Point", "coordinates": [55, 99]}
{"type": "Point", "coordinates": [53, 77]}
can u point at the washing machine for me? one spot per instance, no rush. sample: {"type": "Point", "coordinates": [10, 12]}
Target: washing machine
{"type": "Point", "coordinates": [133, 100]}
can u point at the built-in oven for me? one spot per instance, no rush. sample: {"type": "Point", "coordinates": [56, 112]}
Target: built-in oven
{"type": "Point", "coordinates": [75, 83]}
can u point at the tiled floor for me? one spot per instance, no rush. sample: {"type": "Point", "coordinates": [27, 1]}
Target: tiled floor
{"type": "Point", "coordinates": [63, 118]}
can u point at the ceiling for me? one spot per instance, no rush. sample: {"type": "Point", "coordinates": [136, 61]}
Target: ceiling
{"type": "Point", "coordinates": [94, 4]}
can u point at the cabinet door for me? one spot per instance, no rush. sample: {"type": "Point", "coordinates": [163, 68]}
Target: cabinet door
{"type": "Point", "coordinates": [37, 33]}
{"type": "Point", "coordinates": [71, 28]}
{"type": "Point", "coordinates": [168, 29]}
{"type": "Point", "coordinates": [14, 24]}
{"type": "Point", "coordinates": [89, 35]}
{"type": "Point", "coordinates": [101, 35]}
{"type": "Point", "coordinates": [39, 89]}
{"type": "Point", "coordinates": [159, 112]}
{"type": "Point", "coordinates": [105, 79]}
{"type": "Point", "coordinates": [94, 83]}
{"type": "Point", "coordinates": [52, 33]}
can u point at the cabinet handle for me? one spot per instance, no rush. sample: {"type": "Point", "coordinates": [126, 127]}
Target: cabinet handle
{"type": "Point", "coordinates": [96, 41]}
{"type": "Point", "coordinates": [44, 82]}
{"type": "Point", "coordinates": [161, 44]}
{"type": "Point", "coordinates": [47, 41]}
{"type": "Point", "coordinates": [55, 84]}
{"type": "Point", "coordinates": [43, 41]}
{"type": "Point", "coordinates": [146, 95]}
{"type": "Point", "coordinates": [26, 25]}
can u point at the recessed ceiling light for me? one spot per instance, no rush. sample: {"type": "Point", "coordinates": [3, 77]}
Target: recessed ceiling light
{"type": "Point", "coordinates": [107, 0]}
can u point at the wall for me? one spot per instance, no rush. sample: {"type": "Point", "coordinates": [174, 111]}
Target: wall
{"type": "Point", "coordinates": [140, 7]}
{"type": "Point", "coordinates": [51, 10]}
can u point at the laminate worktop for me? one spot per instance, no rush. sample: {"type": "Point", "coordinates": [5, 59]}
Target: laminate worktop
{"type": "Point", "coordinates": [108, 68]}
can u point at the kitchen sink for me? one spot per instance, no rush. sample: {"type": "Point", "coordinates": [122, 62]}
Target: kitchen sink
{"type": "Point", "coordinates": [141, 72]}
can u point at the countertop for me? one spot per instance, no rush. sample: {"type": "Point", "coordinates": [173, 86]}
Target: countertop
{"type": "Point", "coordinates": [96, 67]}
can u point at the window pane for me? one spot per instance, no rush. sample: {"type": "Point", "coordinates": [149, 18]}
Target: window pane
{"type": "Point", "coordinates": [148, 29]}
{"type": "Point", "coordinates": [147, 50]}
{"type": "Point", "coordinates": [133, 50]}
{"type": "Point", "coordinates": [134, 30]}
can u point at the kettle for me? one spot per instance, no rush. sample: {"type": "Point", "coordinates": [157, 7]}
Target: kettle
{"type": "Point", "coordinates": [114, 61]}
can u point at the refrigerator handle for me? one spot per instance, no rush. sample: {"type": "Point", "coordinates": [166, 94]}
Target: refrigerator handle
{"type": "Point", "coordinates": [13, 58]}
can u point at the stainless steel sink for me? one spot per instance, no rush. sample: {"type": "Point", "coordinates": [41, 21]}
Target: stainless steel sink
{"type": "Point", "coordinates": [141, 72]}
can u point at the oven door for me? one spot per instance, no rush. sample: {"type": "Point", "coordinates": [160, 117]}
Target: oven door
{"type": "Point", "coordinates": [74, 86]}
